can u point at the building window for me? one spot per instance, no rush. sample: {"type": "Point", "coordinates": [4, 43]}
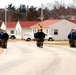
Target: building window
{"type": "Point", "coordinates": [55, 31]}
{"type": "Point", "coordinates": [19, 32]}
{"type": "Point", "coordinates": [47, 31]}
{"type": "Point", "coordinates": [12, 31]}
{"type": "Point", "coordinates": [35, 30]}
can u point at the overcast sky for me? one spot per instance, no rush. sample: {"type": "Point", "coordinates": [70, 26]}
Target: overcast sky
{"type": "Point", "coordinates": [16, 3]}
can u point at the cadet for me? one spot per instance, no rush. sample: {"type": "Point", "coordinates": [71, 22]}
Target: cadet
{"type": "Point", "coordinates": [5, 37]}
{"type": "Point", "coordinates": [36, 35]}
{"type": "Point", "coordinates": [41, 38]}
{"type": "Point", "coordinates": [71, 36]}
{"type": "Point", "coordinates": [75, 38]}
{"type": "Point", "coordinates": [0, 38]}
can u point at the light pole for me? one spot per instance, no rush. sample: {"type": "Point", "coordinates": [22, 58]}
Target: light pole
{"type": "Point", "coordinates": [5, 18]}
{"type": "Point", "coordinates": [41, 13]}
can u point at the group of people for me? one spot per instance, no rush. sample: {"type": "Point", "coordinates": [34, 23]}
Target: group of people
{"type": "Point", "coordinates": [3, 39]}
{"type": "Point", "coordinates": [72, 38]}
{"type": "Point", "coordinates": [39, 36]}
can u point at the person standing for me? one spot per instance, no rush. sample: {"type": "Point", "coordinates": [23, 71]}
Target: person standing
{"type": "Point", "coordinates": [5, 38]}
{"type": "Point", "coordinates": [0, 38]}
{"type": "Point", "coordinates": [71, 36]}
{"type": "Point", "coordinates": [36, 36]}
{"type": "Point", "coordinates": [75, 38]}
{"type": "Point", "coordinates": [41, 38]}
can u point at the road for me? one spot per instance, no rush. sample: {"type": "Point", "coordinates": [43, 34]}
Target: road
{"type": "Point", "coordinates": [24, 58]}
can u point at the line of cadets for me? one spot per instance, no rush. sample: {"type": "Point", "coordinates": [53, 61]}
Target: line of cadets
{"type": "Point", "coordinates": [3, 39]}
{"type": "Point", "coordinates": [39, 36]}
{"type": "Point", "coordinates": [72, 38]}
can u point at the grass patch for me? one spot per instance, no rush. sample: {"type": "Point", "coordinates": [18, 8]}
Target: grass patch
{"type": "Point", "coordinates": [65, 43]}
{"type": "Point", "coordinates": [15, 40]}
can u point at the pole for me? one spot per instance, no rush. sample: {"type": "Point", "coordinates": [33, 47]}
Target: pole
{"type": "Point", "coordinates": [26, 11]}
{"type": "Point", "coordinates": [5, 18]}
{"type": "Point", "coordinates": [42, 12]}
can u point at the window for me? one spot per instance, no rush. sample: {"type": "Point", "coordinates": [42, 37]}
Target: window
{"type": "Point", "coordinates": [16, 32]}
{"type": "Point", "coordinates": [34, 30]}
{"type": "Point", "coordinates": [47, 31]}
{"type": "Point", "coordinates": [12, 31]}
{"type": "Point", "coordinates": [19, 32]}
{"type": "Point", "coordinates": [55, 31]}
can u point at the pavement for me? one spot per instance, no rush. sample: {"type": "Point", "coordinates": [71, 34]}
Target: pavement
{"type": "Point", "coordinates": [1, 50]}
{"type": "Point", "coordinates": [24, 58]}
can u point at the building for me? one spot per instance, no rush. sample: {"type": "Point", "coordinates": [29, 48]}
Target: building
{"type": "Point", "coordinates": [59, 29]}
{"type": "Point", "coordinates": [18, 29]}
{"type": "Point", "coordinates": [23, 27]}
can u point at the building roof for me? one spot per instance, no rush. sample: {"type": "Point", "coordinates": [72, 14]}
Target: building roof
{"type": "Point", "coordinates": [27, 24]}
{"type": "Point", "coordinates": [11, 24]}
{"type": "Point", "coordinates": [46, 23]}
{"type": "Point", "coordinates": [24, 24]}
{"type": "Point", "coordinates": [73, 21]}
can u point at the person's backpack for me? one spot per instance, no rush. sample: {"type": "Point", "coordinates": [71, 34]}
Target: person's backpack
{"type": "Point", "coordinates": [0, 36]}
{"type": "Point", "coordinates": [36, 35]}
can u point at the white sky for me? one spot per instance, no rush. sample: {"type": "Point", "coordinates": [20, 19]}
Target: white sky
{"type": "Point", "coordinates": [16, 3]}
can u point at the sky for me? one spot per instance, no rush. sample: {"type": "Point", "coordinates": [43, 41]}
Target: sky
{"type": "Point", "coordinates": [16, 3]}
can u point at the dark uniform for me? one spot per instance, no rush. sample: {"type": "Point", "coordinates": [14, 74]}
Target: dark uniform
{"type": "Point", "coordinates": [40, 38]}
{"type": "Point", "coordinates": [71, 39]}
{"type": "Point", "coordinates": [36, 35]}
{"type": "Point", "coordinates": [75, 38]}
{"type": "Point", "coordinates": [0, 38]}
{"type": "Point", "coordinates": [5, 37]}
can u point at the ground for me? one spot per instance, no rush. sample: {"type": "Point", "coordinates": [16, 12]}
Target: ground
{"type": "Point", "coordinates": [25, 58]}
{"type": "Point", "coordinates": [1, 50]}
{"type": "Point", "coordinates": [65, 43]}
